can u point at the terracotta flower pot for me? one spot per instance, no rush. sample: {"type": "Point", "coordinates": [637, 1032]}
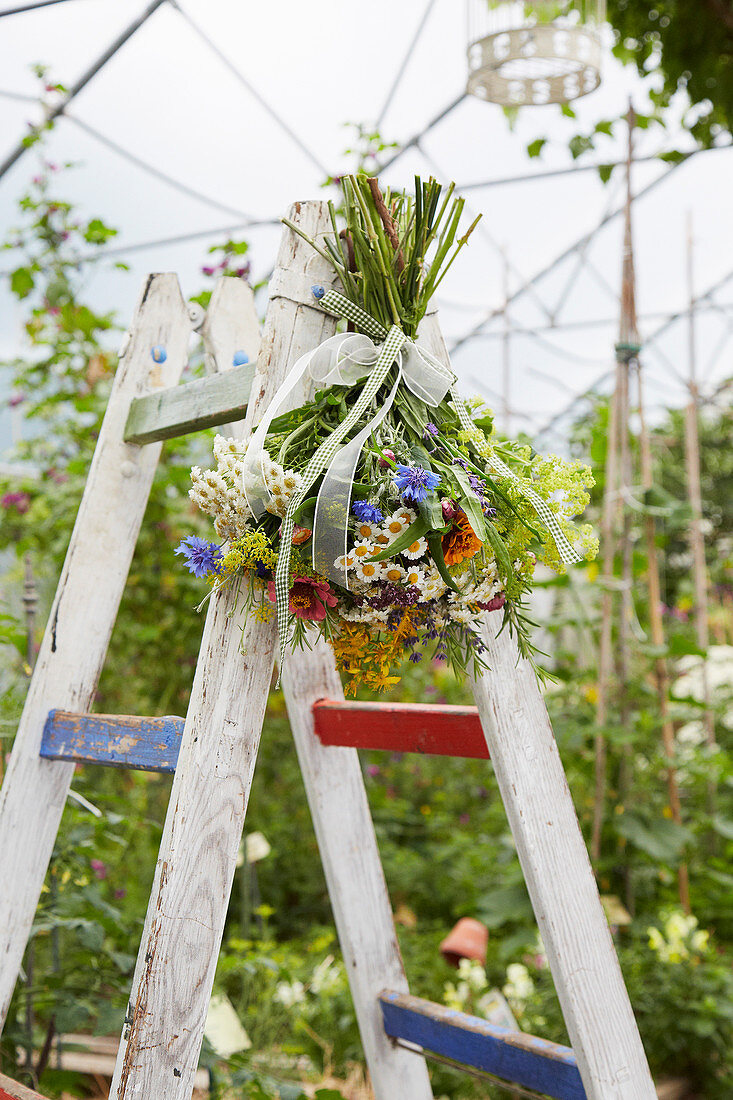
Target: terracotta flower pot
{"type": "Point", "coordinates": [467, 940]}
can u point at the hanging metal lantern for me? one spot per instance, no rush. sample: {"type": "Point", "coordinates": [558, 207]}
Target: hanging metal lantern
{"type": "Point", "coordinates": [520, 54]}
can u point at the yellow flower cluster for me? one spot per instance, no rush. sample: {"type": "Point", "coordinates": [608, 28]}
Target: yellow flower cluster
{"type": "Point", "coordinates": [367, 658]}
{"type": "Point", "coordinates": [247, 553]}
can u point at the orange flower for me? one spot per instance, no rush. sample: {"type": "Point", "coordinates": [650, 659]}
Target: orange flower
{"type": "Point", "coordinates": [461, 542]}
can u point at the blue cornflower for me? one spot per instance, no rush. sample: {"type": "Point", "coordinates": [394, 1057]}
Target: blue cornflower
{"type": "Point", "coordinates": [414, 483]}
{"type": "Point", "coordinates": [202, 557]}
{"type": "Point", "coordinates": [366, 512]}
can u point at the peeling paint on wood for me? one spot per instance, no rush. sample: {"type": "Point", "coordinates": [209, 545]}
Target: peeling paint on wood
{"type": "Point", "coordinates": [81, 619]}
{"type": "Point", "coordinates": [511, 1055]}
{"type": "Point", "coordinates": [204, 403]}
{"type": "Point", "coordinates": [11, 1090]}
{"type": "Point", "coordinates": [114, 740]}
{"type": "Point", "coordinates": [401, 727]}
{"type": "Point", "coordinates": [356, 886]}
{"type": "Point", "coordinates": [555, 862]}
{"type": "Point", "coordinates": [175, 969]}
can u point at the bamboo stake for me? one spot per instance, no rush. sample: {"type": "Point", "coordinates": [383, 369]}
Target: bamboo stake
{"type": "Point", "coordinates": [697, 542]}
{"type": "Point", "coordinates": [606, 638]}
{"type": "Point", "coordinates": [658, 640]}
{"type": "Point", "coordinates": [627, 349]}
{"type": "Point", "coordinates": [506, 347]}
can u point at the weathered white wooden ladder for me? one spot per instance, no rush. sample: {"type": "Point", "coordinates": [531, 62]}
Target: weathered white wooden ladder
{"type": "Point", "coordinates": [172, 984]}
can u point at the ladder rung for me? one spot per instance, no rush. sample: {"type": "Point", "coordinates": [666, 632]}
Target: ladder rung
{"type": "Point", "coordinates": [117, 740]}
{"type": "Point", "coordinates": [204, 403]}
{"type": "Point", "coordinates": [11, 1090]}
{"type": "Point", "coordinates": [511, 1055]}
{"type": "Point", "coordinates": [401, 727]}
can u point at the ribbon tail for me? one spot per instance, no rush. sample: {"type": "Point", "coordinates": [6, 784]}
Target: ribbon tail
{"type": "Point", "coordinates": [567, 552]}
{"type": "Point", "coordinates": [253, 475]}
{"type": "Point", "coordinates": [319, 461]}
{"type": "Point", "coordinates": [331, 524]}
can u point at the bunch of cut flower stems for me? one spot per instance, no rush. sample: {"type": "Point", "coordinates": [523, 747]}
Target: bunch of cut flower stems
{"type": "Point", "coordinates": [381, 256]}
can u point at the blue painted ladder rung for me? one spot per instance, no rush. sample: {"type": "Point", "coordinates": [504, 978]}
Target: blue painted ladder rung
{"type": "Point", "coordinates": [115, 740]}
{"type": "Point", "coordinates": [514, 1057]}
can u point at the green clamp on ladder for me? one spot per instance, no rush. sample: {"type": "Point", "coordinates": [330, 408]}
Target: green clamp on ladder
{"type": "Point", "coordinates": [214, 751]}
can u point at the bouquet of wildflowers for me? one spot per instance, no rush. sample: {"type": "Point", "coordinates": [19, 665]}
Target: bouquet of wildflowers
{"type": "Point", "coordinates": [384, 511]}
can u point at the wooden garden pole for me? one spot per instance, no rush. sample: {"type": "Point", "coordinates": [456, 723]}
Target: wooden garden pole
{"type": "Point", "coordinates": [658, 639]}
{"type": "Point", "coordinates": [607, 601]}
{"type": "Point", "coordinates": [697, 542]}
{"type": "Point", "coordinates": [506, 347]}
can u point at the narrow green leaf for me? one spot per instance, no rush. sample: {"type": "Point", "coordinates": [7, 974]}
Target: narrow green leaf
{"type": "Point", "coordinates": [415, 531]}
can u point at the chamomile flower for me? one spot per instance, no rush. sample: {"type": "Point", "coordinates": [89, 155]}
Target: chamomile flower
{"type": "Point", "coordinates": [369, 571]}
{"type": "Point", "coordinates": [393, 572]}
{"type": "Point", "coordinates": [364, 549]}
{"type": "Point", "coordinates": [367, 530]}
{"type": "Point", "coordinates": [415, 550]}
{"type": "Point", "coordinates": [346, 561]}
{"type": "Point", "coordinates": [415, 576]}
{"type": "Point", "coordinates": [398, 522]}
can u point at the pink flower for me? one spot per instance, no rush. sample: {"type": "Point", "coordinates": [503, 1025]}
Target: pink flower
{"type": "Point", "coordinates": [384, 465]}
{"type": "Point", "coordinates": [308, 598]}
{"type": "Point", "coordinates": [373, 770]}
{"type": "Point", "coordinates": [20, 501]}
{"type": "Point", "coordinates": [207, 270]}
{"type": "Point", "coordinates": [99, 868]}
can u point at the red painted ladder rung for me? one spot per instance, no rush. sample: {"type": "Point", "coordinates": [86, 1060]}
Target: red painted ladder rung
{"type": "Point", "coordinates": [11, 1090]}
{"type": "Point", "coordinates": [401, 727]}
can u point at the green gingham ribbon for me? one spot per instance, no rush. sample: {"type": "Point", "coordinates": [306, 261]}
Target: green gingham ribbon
{"type": "Point", "coordinates": [323, 455]}
{"type": "Point", "coordinates": [338, 304]}
{"type": "Point", "coordinates": [394, 341]}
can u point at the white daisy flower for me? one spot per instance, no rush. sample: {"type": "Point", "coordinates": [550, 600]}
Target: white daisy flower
{"type": "Point", "coordinates": [367, 530]}
{"type": "Point", "coordinates": [368, 571]}
{"type": "Point", "coordinates": [415, 576]}
{"type": "Point", "coordinates": [416, 550]}
{"type": "Point", "coordinates": [392, 571]}
{"type": "Point", "coordinates": [346, 561]}
{"type": "Point", "coordinates": [461, 614]}
{"type": "Point", "coordinates": [398, 522]}
{"type": "Point", "coordinates": [364, 549]}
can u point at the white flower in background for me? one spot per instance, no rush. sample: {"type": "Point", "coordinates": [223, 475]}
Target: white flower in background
{"type": "Point", "coordinates": [327, 977]}
{"type": "Point", "coordinates": [393, 572]}
{"type": "Point", "coordinates": [519, 986]}
{"type": "Point", "coordinates": [461, 614]}
{"type": "Point", "coordinates": [257, 847]}
{"type": "Point", "coordinates": [290, 994]}
{"type": "Point", "coordinates": [471, 971]}
{"type": "Point", "coordinates": [680, 939]}
{"type": "Point", "coordinates": [718, 666]}
{"type": "Point", "coordinates": [415, 575]}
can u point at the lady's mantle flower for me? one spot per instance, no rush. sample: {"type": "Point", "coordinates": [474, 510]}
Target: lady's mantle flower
{"type": "Point", "coordinates": [366, 512]}
{"type": "Point", "coordinates": [202, 557]}
{"type": "Point", "coordinates": [308, 598]}
{"type": "Point", "coordinates": [414, 483]}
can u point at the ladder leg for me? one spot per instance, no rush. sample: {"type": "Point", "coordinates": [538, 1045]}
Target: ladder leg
{"type": "Point", "coordinates": [171, 988]}
{"type": "Point", "coordinates": [356, 885]}
{"type": "Point", "coordinates": [557, 870]}
{"type": "Point", "coordinates": [82, 616]}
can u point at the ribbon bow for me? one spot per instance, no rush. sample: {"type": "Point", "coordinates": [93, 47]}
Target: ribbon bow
{"type": "Point", "coordinates": [343, 360]}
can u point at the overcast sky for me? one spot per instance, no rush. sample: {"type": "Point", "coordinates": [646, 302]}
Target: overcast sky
{"type": "Point", "coordinates": [169, 99]}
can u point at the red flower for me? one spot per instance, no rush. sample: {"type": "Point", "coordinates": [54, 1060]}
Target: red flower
{"type": "Point", "coordinates": [308, 598]}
